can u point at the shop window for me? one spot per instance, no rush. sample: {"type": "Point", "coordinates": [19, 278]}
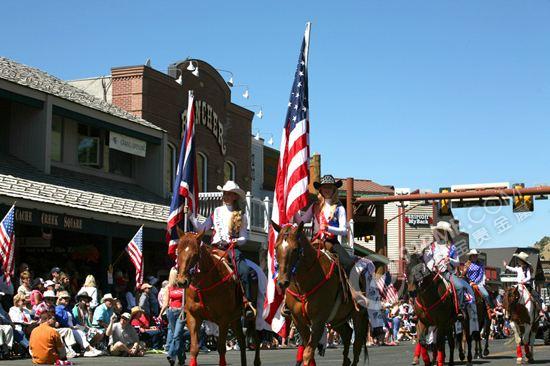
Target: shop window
{"type": "Point", "coordinates": [57, 138]}
{"type": "Point", "coordinates": [202, 166]}
{"type": "Point", "coordinates": [170, 167]}
{"type": "Point", "coordinates": [89, 146]}
{"type": "Point", "coordinates": [228, 171]}
{"type": "Point", "coordinates": [121, 163]}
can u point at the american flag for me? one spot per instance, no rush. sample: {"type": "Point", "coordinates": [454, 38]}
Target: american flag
{"type": "Point", "coordinates": [388, 293]}
{"type": "Point", "coordinates": [7, 243]}
{"type": "Point", "coordinates": [291, 187]}
{"type": "Point", "coordinates": [186, 184]}
{"type": "Point", "coordinates": [135, 251]}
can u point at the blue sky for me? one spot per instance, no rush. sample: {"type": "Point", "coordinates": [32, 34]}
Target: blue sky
{"type": "Point", "coordinates": [419, 94]}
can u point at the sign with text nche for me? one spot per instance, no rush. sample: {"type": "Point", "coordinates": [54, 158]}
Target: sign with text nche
{"type": "Point", "coordinates": [127, 144]}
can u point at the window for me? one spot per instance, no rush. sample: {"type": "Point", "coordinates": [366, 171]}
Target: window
{"type": "Point", "coordinates": [202, 168]}
{"type": "Point", "coordinates": [89, 146]}
{"type": "Point", "coordinates": [57, 138]}
{"type": "Point", "coordinates": [121, 163]}
{"type": "Point", "coordinates": [228, 171]}
{"type": "Point", "coordinates": [170, 167]}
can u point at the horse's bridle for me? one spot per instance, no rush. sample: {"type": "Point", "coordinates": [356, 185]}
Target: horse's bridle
{"type": "Point", "coordinates": [294, 267]}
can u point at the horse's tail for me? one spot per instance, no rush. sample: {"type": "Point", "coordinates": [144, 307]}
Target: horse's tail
{"type": "Point", "coordinates": [366, 354]}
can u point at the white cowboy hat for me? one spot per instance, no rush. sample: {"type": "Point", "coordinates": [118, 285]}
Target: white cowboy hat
{"type": "Point", "coordinates": [444, 226]}
{"type": "Point", "coordinates": [108, 296]}
{"type": "Point", "coordinates": [522, 255]}
{"type": "Point", "coordinates": [49, 294]}
{"type": "Point", "coordinates": [473, 252]}
{"type": "Point", "coordinates": [231, 186]}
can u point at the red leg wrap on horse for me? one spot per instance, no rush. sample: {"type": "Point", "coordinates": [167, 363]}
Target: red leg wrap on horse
{"type": "Point", "coordinates": [440, 358]}
{"type": "Point", "coordinates": [518, 352]}
{"type": "Point", "coordinates": [222, 361]}
{"type": "Point", "coordinates": [193, 361]}
{"type": "Point", "coordinates": [417, 349]}
{"type": "Point", "coordinates": [425, 356]}
{"type": "Point", "coordinates": [300, 353]}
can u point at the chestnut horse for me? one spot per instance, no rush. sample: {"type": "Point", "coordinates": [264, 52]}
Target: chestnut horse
{"type": "Point", "coordinates": [522, 310]}
{"type": "Point", "coordinates": [212, 293]}
{"type": "Point", "coordinates": [435, 306]}
{"type": "Point", "coordinates": [314, 295]}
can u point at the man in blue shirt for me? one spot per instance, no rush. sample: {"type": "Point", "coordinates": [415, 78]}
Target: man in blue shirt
{"type": "Point", "coordinates": [103, 313]}
{"type": "Point", "coordinates": [474, 271]}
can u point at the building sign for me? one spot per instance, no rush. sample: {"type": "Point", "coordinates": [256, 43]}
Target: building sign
{"type": "Point", "coordinates": [418, 219]}
{"type": "Point", "coordinates": [40, 218]}
{"type": "Point", "coordinates": [206, 116]}
{"type": "Point", "coordinates": [127, 144]}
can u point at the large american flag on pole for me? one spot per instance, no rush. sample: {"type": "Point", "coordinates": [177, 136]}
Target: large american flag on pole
{"type": "Point", "coordinates": [291, 187]}
{"type": "Point", "coordinates": [135, 251]}
{"type": "Point", "coordinates": [186, 184]}
{"type": "Point", "coordinates": [7, 243]}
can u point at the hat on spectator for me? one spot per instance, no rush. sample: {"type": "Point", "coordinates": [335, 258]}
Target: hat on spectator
{"type": "Point", "coordinates": [37, 281]}
{"type": "Point", "coordinates": [125, 316]}
{"type": "Point", "coordinates": [49, 294]}
{"type": "Point", "coordinates": [63, 295]}
{"type": "Point", "coordinates": [522, 256]}
{"type": "Point", "coordinates": [135, 310]}
{"type": "Point", "coordinates": [145, 286]}
{"type": "Point", "coordinates": [473, 252]}
{"type": "Point", "coordinates": [49, 283]}
{"type": "Point", "coordinates": [82, 295]}
{"type": "Point", "coordinates": [55, 269]}
{"type": "Point", "coordinates": [152, 280]}
{"type": "Point", "coordinates": [108, 297]}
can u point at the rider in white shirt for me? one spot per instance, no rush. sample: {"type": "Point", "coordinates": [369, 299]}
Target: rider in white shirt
{"type": "Point", "coordinates": [524, 274]}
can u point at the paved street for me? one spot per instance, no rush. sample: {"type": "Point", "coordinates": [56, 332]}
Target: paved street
{"type": "Point", "coordinates": [401, 355]}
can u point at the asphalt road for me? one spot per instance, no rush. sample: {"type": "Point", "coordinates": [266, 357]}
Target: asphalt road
{"type": "Point", "coordinates": [501, 355]}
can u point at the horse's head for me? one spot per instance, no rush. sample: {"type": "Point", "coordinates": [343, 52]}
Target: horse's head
{"type": "Point", "coordinates": [188, 256]}
{"type": "Point", "coordinates": [288, 251]}
{"type": "Point", "coordinates": [416, 271]}
{"type": "Point", "coordinates": [510, 300]}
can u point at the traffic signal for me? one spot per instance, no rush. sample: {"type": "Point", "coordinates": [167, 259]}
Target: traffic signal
{"type": "Point", "coordinates": [522, 203]}
{"type": "Point", "coordinates": [444, 204]}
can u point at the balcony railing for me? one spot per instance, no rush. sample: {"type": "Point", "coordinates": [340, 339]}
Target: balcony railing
{"type": "Point", "coordinates": [258, 211]}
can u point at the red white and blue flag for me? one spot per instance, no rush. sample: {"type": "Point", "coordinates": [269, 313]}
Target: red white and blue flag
{"type": "Point", "coordinates": [387, 290]}
{"type": "Point", "coordinates": [7, 243]}
{"type": "Point", "coordinates": [186, 185]}
{"type": "Point", "coordinates": [291, 187]}
{"type": "Point", "coordinates": [135, 251]}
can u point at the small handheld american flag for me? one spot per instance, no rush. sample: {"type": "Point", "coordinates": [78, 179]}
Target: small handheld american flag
{"type": "Point", "coordinates": [135, 251]}
{"type": "Point", "coordinates": [7, 243]}
{"type": "Point", "coordinates": [291, 186]}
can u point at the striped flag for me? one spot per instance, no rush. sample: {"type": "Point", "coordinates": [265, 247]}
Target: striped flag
{"type": "Point", "coordinates": [186, 185]}
{"type": "Point", "coordinates": [388, 293]}
{"type": "Point", "coordinates": [291, 187]}
{"type": "Point", "coordinates": [7, 243]}
{"type": "Point", "coordinates": [135, 251]}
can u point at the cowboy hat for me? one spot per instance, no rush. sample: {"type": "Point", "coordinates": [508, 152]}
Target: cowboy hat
{"type": "Point", "coordinates": [83, 294]}
{"type": "Point", "coordinates": [49, 294]}
{"type": "Point", "coordinates": [231, 186]}
{"type": "Point", "coordinates": [472, 252]}
{"type": "Point", "coordinates": [522, 256]}
{"type": "Point", "coordinates": [63, 295]}
{"type": "Point", "coordinates": [108, 297]}
{"type": "Point", "coordinates": [135, 310]}
{"type": "Point", "coordinates": [443, 226]}
{"type": "Point", "coordinates": [125, 316]}
{"type": "Point", "coordinates": [328, 179]}
{"type": "Point", "coordinates": [145, 286]}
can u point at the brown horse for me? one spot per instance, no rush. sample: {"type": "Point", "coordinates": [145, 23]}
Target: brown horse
{"type": "Point", "coordinates": [434, 306]}
{"type": "Point", "coordinates": [522, 310]}
{"type": "Point", "coordinates": [212, 293]}
{"type": "Point", "coordinates": [315, 296]}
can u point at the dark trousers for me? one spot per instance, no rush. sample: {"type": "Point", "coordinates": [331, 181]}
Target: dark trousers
{"type": "Point", "coordinates": [246, 274]}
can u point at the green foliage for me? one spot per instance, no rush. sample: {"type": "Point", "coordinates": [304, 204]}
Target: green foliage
{"type": "Point", "coordinates": [543, 243]}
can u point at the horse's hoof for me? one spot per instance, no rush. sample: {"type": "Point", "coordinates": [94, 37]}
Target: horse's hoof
{"type": "Point", "coordinates": [414, 361]}
{"type": "Point", "coordinates": [462, 356]}
{"type": "Point", "coordinates": [486, 352]}
{"type": "Point", "coordinates": [519, 360]}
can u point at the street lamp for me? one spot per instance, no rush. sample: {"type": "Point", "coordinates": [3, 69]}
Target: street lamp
{"type": "Point", "coordinates": [260, 113]}
{"type": "Point", "coordinates": [230, 82]}
{"type": "Point", "coordinates": [194, 69]}
{"type": "Point", "coordinates": [246, 93]}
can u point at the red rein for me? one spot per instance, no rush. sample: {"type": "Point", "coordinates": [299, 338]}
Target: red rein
{"type": "Point", "coordinates": [427, 309]}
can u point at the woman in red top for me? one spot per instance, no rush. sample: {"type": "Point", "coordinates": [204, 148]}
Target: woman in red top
{"type": "Point", "coordinates": [151, 335]}
{"type": "Point", "coordinates": [173, 306]}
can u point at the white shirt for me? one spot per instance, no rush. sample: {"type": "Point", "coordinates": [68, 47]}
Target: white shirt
{"type": "Point", "coordinates": [341, 230]}
{"type": "Point", "coordinates": [436, 256]}
{"type": "Point", "coordinates": [521, 276]}
{"type": "Point", "coordinates": [92, 292]}
{"type": "Point", "coordinates": [219, 221]}
{"type": "Point", "coordinates": [18, 315]}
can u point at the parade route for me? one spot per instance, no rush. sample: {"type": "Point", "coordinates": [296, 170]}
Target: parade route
{"type": "Point", "coordinates": [501, 355]}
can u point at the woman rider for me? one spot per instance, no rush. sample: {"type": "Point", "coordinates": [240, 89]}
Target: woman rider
{"type": "Point", "coordinates": [230, 226]}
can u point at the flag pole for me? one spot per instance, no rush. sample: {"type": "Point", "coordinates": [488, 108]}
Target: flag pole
{"type": "Point", "coordinates": [186, 207]}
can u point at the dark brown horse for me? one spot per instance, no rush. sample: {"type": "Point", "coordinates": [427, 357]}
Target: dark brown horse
{"type": "Point", "coordinates": [315, 296]}
{"type": "Point", "coordinates": [434, 306]}
{"type": "Point", "coordinates": [212, 293]}
{"type": "Point", "coordinates": [522, 310]}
